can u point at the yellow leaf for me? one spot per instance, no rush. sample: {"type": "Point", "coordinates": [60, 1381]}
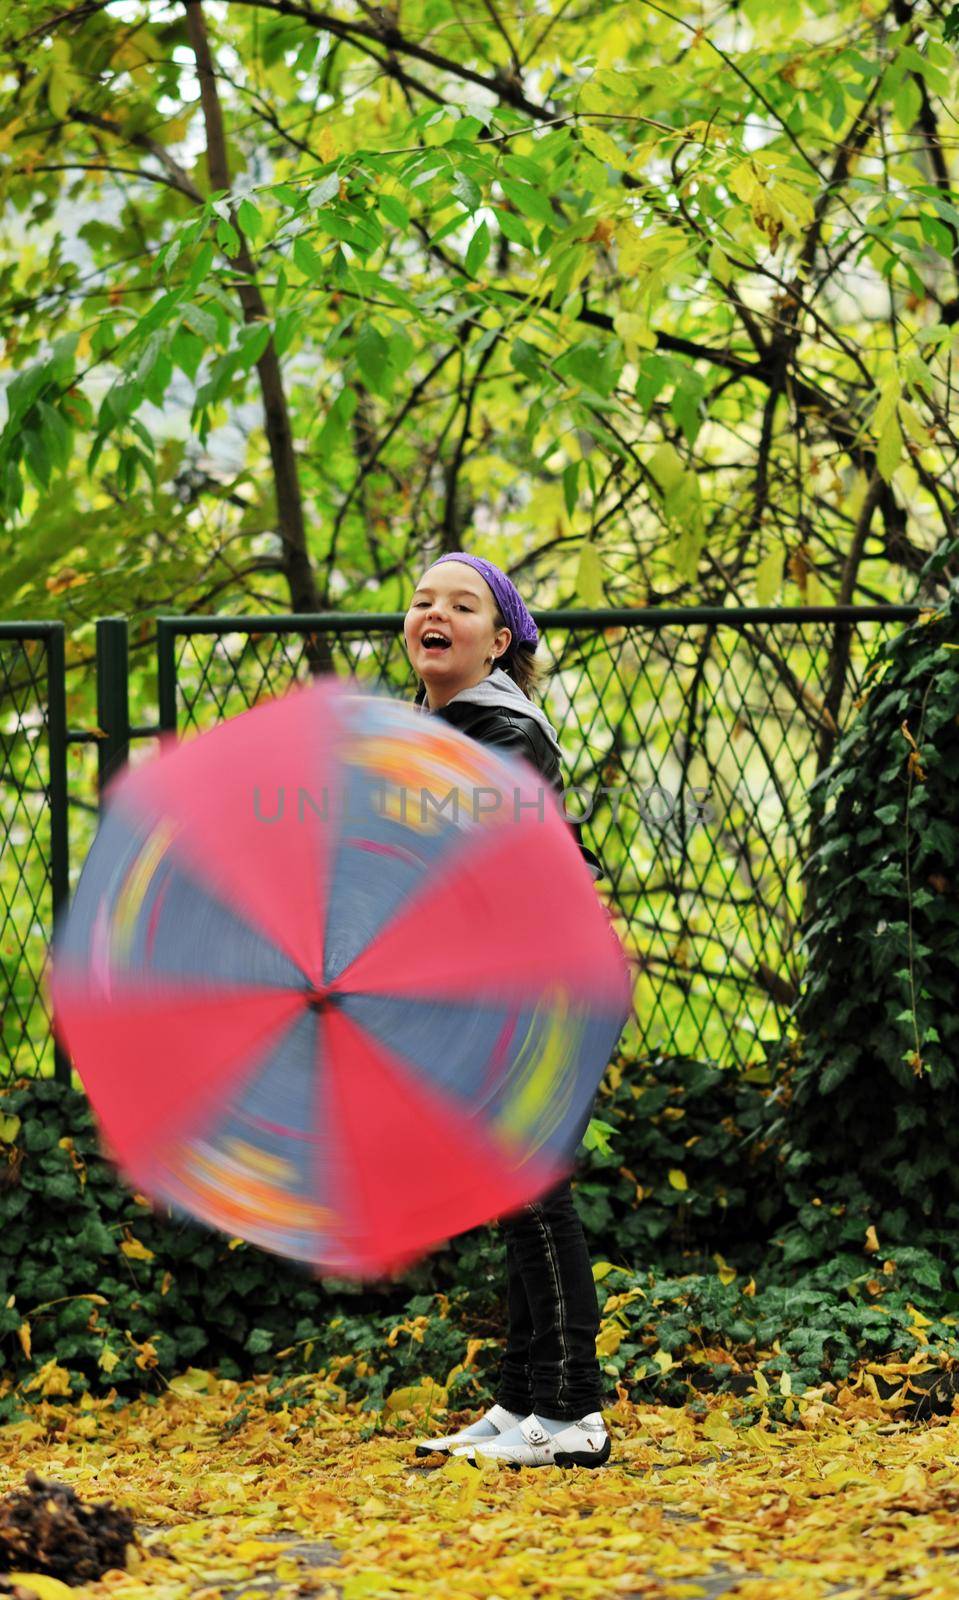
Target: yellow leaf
{"type": "Point", "coordinates": [459, 1473]}
{"type": "Point", "coordinates": [717, 1429]}
{"type": "Point", "coordinates": [872, 1243]}
{"type": "Point", "coordinates": [633, 248]}
{"type": "Point", "coordinates": [914, 424]}
{"type": "Point", "coordinates": [135, 1250]}
{"type": "Point", "coordinates": [473, 1347]}
{"type": "Point", "coordinates": [889, 449]}
{"type": "Point", "coordinates": [666, 466]}
{"type": "Point", "coordinates": [43, 1587]}
{"type": "Point", "coordinates": [9, 1128]}
{"type": "Point", "coordinates": [727, 1274]}
{"type": "Point", "coordinates": [50, 1380]}
{"type": "Point", "coordinates": [635, 333]}
{"type": "Point", "coordinates": [427, 1395]}
{"type": "Point", "coordinates": [193, 1382]}
{"type": "Point", "coordinates": [602, 1269]}
{"type": "Point", "coordinates": [678, 1179]}
{"type": "Point", "coordinates": [9, 131]}
{"type": "Point", "coordinates": [718, 264]}
{"type": "Point", "coordinates": [663, 1360]}
{"type": "Point", "coordinates": [21, 1433]}
{"type": "Point", "coordinates": [769, 577]}
{"type": "Point", "coordinates": [258, 1550]}
{"type": "Point", "coordinates": [609, 1338]}
{"type": "Point", "coordinates": [760, 1384]}
{"type": "Point", "coordinates": [23, 1334]}
{"type": "Point", "coordinates": [107, 1359]}
{"type": "Point", "coordinates": [326, 145]}
{"type": "Point", "coordinates": [785, 1385]}
{"type": "Point", "coordinates": [589, 575]}
{"type": "Point", "coordinates": [605, 148]}
{"type": "Point", "coordinates": [616, 1301]}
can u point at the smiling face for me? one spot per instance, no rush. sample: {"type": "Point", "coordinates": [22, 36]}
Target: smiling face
{"type": "Point", "coordinates": [451, 631]}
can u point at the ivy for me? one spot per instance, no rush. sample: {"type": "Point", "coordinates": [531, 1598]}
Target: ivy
{"type": "Point", "coordinates": [876, 1086]}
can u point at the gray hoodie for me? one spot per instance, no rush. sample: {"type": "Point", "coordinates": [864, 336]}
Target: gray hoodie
{"type": "Point", "coordinates": [499, 689]}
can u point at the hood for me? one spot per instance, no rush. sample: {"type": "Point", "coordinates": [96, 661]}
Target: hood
{"type": "Point", "coordinates": [499, 689]}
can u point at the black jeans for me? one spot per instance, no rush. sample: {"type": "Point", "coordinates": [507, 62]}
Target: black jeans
{"type": "Point", "coordinates": [550, 1364]}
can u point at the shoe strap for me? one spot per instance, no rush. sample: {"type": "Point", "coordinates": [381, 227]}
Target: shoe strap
{"type": "Point", "coordinates": [500, 1418]}
{"type": "Point", "coordinates": [533, 1431]}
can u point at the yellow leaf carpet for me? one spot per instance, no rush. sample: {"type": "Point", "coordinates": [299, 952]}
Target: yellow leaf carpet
{"type": "Point", "coordinates": [234, 1499]}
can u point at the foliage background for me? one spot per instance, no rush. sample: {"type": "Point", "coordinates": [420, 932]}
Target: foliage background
{"type": "Point", "coordinates": [656, 309]}
{"type": "Point", "coordinates": [659, 308]}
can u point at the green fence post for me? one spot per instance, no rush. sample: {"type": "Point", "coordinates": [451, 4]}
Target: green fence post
{"type": "Point", "coordinates": [57, 791]}
{"type": "Point", "coordinates": [113, 697]}
{"type": "Point", "coordinates": [166, 673]}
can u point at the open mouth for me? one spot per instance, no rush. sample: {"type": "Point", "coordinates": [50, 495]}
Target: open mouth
{"type": "Point", "coordinates": [435, 641]}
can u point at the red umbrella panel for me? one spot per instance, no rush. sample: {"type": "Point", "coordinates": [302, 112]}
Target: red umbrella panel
{"type": "Point", "coordinates": [337, 981]}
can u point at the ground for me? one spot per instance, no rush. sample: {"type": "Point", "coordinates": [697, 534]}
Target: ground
{"type": "Point", "coordinates": [234, 1500]}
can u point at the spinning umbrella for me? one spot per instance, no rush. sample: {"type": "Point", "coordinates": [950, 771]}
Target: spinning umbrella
{"type": "Point", "coordinates": [337, 981]}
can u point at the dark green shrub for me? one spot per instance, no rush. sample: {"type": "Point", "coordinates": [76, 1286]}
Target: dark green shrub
{"type": "Point", "coordinates": [691, 1170]}
{"type": "Point", "coordinates": [872, 1127]}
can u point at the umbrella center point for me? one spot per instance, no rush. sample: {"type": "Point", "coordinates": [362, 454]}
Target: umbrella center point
{"type": "Point", "coordinates": [319, 999]}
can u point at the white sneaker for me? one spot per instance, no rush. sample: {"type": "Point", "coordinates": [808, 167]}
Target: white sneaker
{"type": "Point", "coordinates": [490, 1425]}
{"type": "Point", "coordinates": [531, 1444]}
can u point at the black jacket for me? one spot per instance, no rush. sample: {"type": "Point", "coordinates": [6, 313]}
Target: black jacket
{"type": "Point", "coordinates": [522, 736]}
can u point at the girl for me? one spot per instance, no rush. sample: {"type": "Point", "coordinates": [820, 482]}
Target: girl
{"type": "Point", "coordinates": [471, 641]}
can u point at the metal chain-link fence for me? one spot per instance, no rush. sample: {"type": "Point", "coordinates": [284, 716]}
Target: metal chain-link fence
{"type": "Point", "coordinates": [33, 835]}
{"type": "Point", "coordinates": [691, 739]}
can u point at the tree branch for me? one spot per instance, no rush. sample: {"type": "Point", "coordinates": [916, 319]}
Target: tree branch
{"type": "Point", "coordinates": [289, 500]}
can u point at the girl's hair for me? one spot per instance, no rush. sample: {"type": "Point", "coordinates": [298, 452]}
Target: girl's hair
{"type": "Point", "coordinates": [518, 660]}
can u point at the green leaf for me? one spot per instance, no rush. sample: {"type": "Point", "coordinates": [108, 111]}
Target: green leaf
{"type": "Point", "coordinates": [187, 351]}
{"type": "Point", "coordinates": [479, 248]}
{"type": "Point", "coordinates": [602, 146]}
{"type": "Point", "coordinates": [202, 263]}
{"type": "Point", "coordinates": [889, 449]}
{"type": "Point", "coordinates": [59, 84]}
{"type": "Point", "coordinates": [372, 353]}
{"type": "Point", "coordinates": [530, 202]}
{"type": "Point", "coordinates": [597, 1136]}
{"type": "Point", "coordinates": [249, 219]}
{"type": "Point", "coordinates": [308, 260]}
{"type": "Point", "coordinates": [467, 192]}
{"type": "Point", "coordinates": [570, 486]}
{"type": "Point", "coordinates": [57, 434]}
{"type": "Point", "coordinates": [514, 228]}
{"type": "Point", "coordinates": [526, 359]}
{"type": "Point", "coordinates": [327, 189]}
{"type": "Point", "coordinates": [226, 235]}
{"type": "Point", "coordinates": [590, 364]}
{"type": "Point", "coordinates": [200, 322]}
{"type": "Point", "coordinates": [393, 210]}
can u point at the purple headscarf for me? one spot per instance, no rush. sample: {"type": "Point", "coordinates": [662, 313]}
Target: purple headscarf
{"type": "Point", "coordinates": [507, 597]}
